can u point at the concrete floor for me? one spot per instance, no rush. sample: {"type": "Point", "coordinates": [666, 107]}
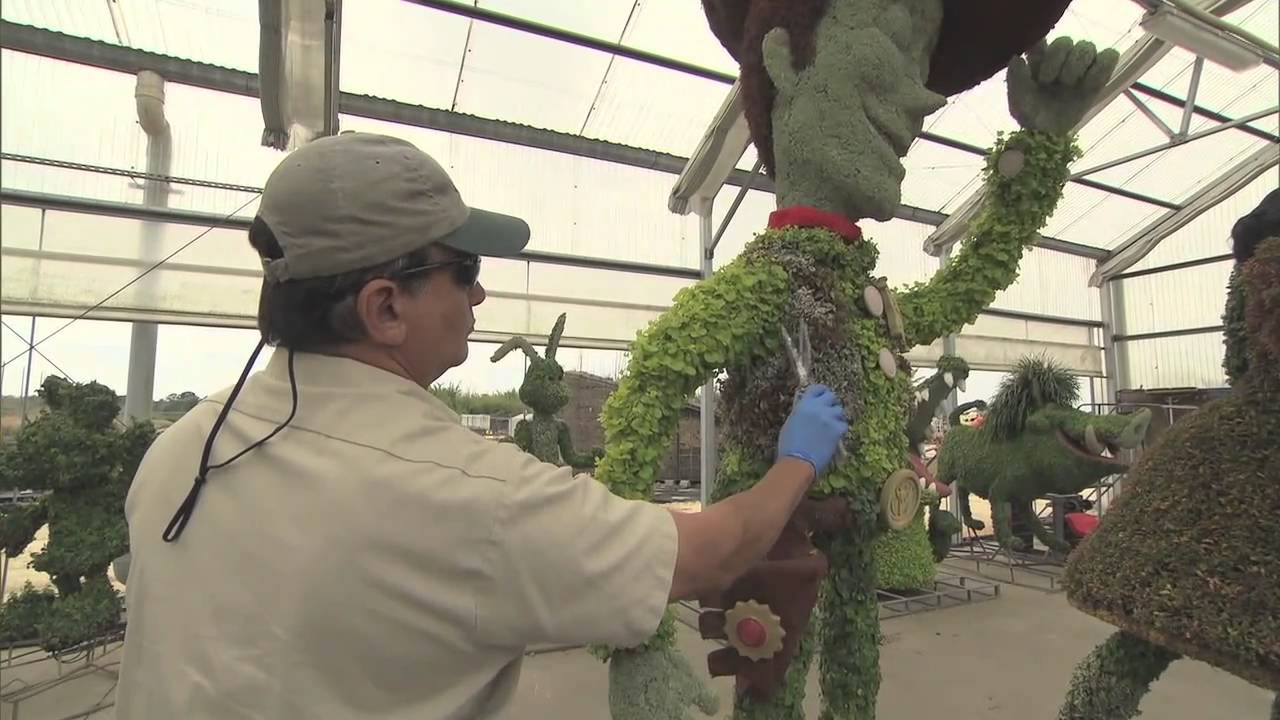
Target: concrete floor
{"type": "Point", "coordinates": [1004, 659]}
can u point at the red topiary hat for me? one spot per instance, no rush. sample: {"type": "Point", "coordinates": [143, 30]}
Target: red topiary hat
{"type": "Point", "coordinates": [978, 39]}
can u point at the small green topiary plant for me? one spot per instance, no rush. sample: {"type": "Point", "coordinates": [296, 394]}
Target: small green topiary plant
{"type": "Point", "coordinates": [75, 452]}
{"type": "Point", "coordinates": [544, 390]}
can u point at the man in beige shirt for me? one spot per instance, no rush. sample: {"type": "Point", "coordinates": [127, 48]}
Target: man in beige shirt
{"type": "Point", "coordinates": [357, 552]}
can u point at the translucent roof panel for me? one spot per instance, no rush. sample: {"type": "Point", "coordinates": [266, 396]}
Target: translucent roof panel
{"type": "Point", "coordinates": [491, 71]}
{"type": "Point", "coordinates": [939, 176]}
{"type": "Point", "coordinates": [1210, 234]}
{"type": "Point", "coordinates": [1174, 174]}
{"type": "Point", "coordinates": [1222, 89]}
{"type": "Point", "coordinates": [1089, 216]}
{"type": "Point", "coordinates": [575, 205]}
{"type": "Point", "coordinates": [977, 115]}
{"type": "Point", "coordinates": [653, 108]}
{"type": "Point", "coordinates": [221, 32]}
{"type": "Point", "coordinates": [528, 79]}
{"type": "Point", "coordinates": [416, 64]}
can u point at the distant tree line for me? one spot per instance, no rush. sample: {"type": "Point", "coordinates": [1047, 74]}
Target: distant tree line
{"type": "Point", "coordinates": [465, 402]}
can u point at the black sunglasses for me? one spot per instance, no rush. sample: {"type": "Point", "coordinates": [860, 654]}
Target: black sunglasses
{"type": "Point", "coordinates": [466, 270]}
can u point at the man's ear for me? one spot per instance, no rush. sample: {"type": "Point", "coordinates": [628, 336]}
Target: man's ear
{"type": "Point", "coordinates": [377, 306]}
{"type": "Point", "coordinates": [776, 47]}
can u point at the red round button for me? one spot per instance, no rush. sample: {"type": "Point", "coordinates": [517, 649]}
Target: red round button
{"type": "Point", "coordinates": [751, 632]}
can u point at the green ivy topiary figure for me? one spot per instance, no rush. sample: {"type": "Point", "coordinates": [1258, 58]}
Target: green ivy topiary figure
{"type": "Point", "coordinates": [1034, 442]}
{"type": "Point", "coordinates": [908, 560]}
{"type": "Point", "coordinates": [74, 451]}
{"type": "Point", "coordinates": [545, 392]}
{"type": "Point", "coordinates": [1187, 561]}
{"type": "Point", "coordinates": [835, 93]}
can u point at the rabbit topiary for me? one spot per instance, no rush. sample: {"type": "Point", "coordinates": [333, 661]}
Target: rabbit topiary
{"type": "Point", "coordinates": [545, 392]}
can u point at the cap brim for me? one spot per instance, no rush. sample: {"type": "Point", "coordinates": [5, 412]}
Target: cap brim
{"type": "Point", "coordinates": [490, 234]}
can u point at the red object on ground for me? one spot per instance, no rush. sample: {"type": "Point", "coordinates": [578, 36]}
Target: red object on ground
{"type": "Point", "coordinates": [751, 632]}
{"type": "Point", "coordinates": [803, 216]}
{"type": "Point", "coordinates": [1081, 524]}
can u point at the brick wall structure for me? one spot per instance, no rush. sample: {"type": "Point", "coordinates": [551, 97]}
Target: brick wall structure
{"type": "Point", "coordinates": [587, 395]}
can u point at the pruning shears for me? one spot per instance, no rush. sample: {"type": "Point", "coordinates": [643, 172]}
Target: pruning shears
{"type": "Point", "coordinates": [802, 364]}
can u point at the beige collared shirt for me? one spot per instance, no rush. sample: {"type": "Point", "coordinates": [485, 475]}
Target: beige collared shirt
{"type": "Point", "coordinates": [374, 560]}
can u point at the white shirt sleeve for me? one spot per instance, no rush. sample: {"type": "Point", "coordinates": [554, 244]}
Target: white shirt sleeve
{"type": "Point", "coordinates": [574, 563]}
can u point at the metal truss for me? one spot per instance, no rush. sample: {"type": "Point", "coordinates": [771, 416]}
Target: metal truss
{"type": "Point", "coordinates": [1134, 63]}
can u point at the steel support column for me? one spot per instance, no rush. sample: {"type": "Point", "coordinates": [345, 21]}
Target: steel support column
{"type": "Point", "coordinates": [144, 337]}
{"type": "Point", "coordinates": [707, 435]}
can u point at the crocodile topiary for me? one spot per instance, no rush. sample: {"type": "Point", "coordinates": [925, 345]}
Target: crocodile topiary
{"type": "Point", "coordinates": [907, 560]}
{"type": "Point", "coordinates": [1034, 442]}
{"type": "Point", "coordinates": [545, 392]}
{"type": "Point", "coordinates": [1185, 563]}
{"type": "Point", "coordinates": [74, 452]}
{"type": "Point", "coordinates": [835, 92]}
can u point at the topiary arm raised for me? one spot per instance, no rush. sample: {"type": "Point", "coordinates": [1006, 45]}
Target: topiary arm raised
{"type": "Point", "coordinates": [718, 322]}
{"type": "Point", "coordinates": [1025, 173]}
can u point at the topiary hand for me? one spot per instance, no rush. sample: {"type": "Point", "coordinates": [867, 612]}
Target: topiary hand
{"type": "Point", "coordinates": [1052, 88]}
{"type": "Point", "coordinates": [656, 684]}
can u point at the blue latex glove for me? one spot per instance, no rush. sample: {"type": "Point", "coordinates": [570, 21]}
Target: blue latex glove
{"type": "Point", "coordinates": [813, 431]}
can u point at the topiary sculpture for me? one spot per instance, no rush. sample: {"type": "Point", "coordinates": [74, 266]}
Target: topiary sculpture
{"type": "Point", "coordinates": [835, 93]}
{"type": "Point", "coordinates": [74, 452]}
{"type": "Point", "coordinates": [545, 392]}
{"type": "Point", "coordinates": [1177, 564]}
{"type": "Point", "coordinates": [907, 560]}
{"type": "Point", "coordinates": [1034, 442]}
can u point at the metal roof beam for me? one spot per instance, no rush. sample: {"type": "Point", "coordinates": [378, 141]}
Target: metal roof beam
{"type": "Point", "coordinates": [59, 46]}
{"type": "Point", "coordinates": [1134, 63]}
{"type": "Point", "coordinates": [1223, 187]}
{"type": "Point", "coordinates": [1171, 99]}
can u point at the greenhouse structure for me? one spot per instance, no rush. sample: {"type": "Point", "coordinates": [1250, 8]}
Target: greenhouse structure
{"type": "Point", "coordinates": [136, 137]}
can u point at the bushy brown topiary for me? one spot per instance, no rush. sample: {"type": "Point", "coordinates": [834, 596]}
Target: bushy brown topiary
{"type": "Point", "coordinates": [1188, 559]}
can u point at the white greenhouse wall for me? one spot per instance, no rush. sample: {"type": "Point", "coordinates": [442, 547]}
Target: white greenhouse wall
{"type": "Point", "coordinates": [1175, 362]}
{"type": "Point", "coordinates": [1173, 300]}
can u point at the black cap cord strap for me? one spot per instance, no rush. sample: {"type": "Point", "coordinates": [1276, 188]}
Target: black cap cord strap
{"type": "Point", "coordinates": [179, 521]}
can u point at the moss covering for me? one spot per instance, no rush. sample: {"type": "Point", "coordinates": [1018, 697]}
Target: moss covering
{"type": "Point", "coordinates": [905, 560]}
{"type": "Point", "coordinates": [1185, 558]}
{"type": "Point", "coordinates": [1110, 683]}
{"type": "Point", "coordinates": [1235, 359]}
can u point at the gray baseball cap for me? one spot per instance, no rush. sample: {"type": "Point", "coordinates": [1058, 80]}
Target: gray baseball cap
{"type": "Point", "coordinates": [355, 200]}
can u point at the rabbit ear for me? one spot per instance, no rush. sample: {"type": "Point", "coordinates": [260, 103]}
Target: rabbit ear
{"type": "Point", "coordinates": [512, 344]}
{"type": "Point", "coordinates": [553, 342]}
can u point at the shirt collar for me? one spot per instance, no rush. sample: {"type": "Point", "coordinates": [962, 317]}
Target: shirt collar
{"type": "Point", "coordinates": [332, 372]}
